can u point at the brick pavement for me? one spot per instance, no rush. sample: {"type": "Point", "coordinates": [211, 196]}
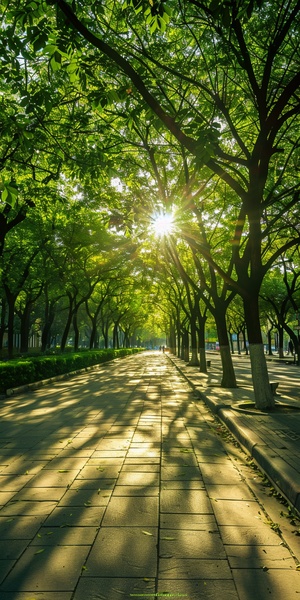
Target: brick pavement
{"type": "Point", "coordinates": [115, 485]}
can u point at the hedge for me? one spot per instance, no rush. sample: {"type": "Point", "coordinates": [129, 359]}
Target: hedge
{"type": "Point", "coordinates": [17, 372]}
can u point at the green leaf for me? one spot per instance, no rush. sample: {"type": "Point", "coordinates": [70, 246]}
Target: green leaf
{"type": "Point", "coordinates": [55, 61]}
{"type": "Point", "coordinates": [10, 194]}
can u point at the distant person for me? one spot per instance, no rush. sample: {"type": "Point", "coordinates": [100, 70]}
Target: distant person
{"type": "Point", "coordinates": [163, 348]}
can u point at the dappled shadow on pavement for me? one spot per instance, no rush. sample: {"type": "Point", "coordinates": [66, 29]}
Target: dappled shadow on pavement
{"type": "Point", "coordinates": [112, 485]}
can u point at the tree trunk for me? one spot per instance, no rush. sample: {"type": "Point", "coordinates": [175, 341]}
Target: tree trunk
{"type": "Point", "coordinates": [93, 336]}
{"type": "Point", "coordinates": [116, 336]}
{"type": "Point", "coordinates": [295, 340]}
{"type": "Point", "coordinates": [245, 341]}
{"type": "Point", "coordinates": [194, 362]}
{"type": "Point", "coordinates": [238, 342]}
{"type": "Point", "coordinates": [105, 330]}
{"type": "Point", "coordinates": [11, 300]}
{"type": "Point", "coordinates": [231, 342]}
{"type": "Point", "coordinates": [25, 327]}
{"type": "Point", "coordinates": [2, 322]}
{"type": "Point", "coordinates": [178, 334]}
{"type": "Point", "coordinates": [201, 343]}
{"type": "Point", "coordinates": [172, 337]}
{"type": "Point", "coordinates": [49, 318]}
{"type": "Point", "coordinates": [228, 374]}
{"type": "Point", "coordinates": [67, 325]}
{"type": "Point", "coordinates": [280, 342]}
{"type": "Point", "coordinates": [269, 336]}
{"type": "Point", "coordinates": [76, 330]}
{"type": "Point", "coordinates": [263, 395]}
{"type": "Point", "coordinates": [185, 346]}
{"type": "Point", "coordinates": [10, 327]}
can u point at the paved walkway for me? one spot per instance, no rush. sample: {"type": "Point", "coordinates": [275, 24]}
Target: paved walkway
{"type": "Point", "coordinates": [115, 484]}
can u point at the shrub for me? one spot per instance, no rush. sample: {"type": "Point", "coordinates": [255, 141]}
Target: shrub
{"type": "Point", "coordinates": [19, 372]}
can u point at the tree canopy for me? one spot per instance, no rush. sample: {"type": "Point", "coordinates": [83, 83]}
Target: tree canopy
{"type": "Point", "coordinates": [189, 109]}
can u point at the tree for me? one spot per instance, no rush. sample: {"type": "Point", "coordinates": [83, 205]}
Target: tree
{"type": "Point", "coordinates": [281, 296]}
{"type": "Point", "coordinates": [223, 80]}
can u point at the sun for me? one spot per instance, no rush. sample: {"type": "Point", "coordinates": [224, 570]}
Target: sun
{"type": "Point", "coordinates": [163, 224]}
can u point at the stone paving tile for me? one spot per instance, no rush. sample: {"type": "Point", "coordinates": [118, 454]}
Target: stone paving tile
{"type": "Point", "coordinates": [10, 483]}
{"type": "Point", "coordinates": [52, 568]}
{"type": "Point", "coordinates": [108, 454]}
{"type": "Point", "coordinates": [133, 511]}
{"type": "Point", "coordinates": [143, 452]}
{"type": "Point", "coordinates": [259, 584]}
{"type": "Point", "coordinates": [114, 444]}
{"type": "Point", "coordinates": [179, 437]}
{"type": "Point", "coordinates": [21, 528]}
{"type": "Point", "coordinates": [185, 484]}
{"type": "Point", "coordinates": [81, 451]}
{"type": "Point", "coordinates": [136, 490]}
{"type": "Point", "coordinates": [93, 484]}
{"type": "Point", "coordinates": [209, 455]}
{"type": "Point", "coordinates": [21, 443]}
{"type": "Point", "coordinates": [140, 468]}
{"type": "Point", "coordinates": [6, 497]}
{"type": "Point", "coordinates": [195, 522]}
{"type": "Point", "coordinates": [238, 512]}
{"type": "Point", "coordinates": [192, 568]}
{"type": "Point", "coordinates": [40, 494]}
{"type": "Point", "coordinates": [83, 497]}
{"type": "Point", "coordinates": [195, 589]}
{"type": "Point", "coordinates": [255, 535]}
{"type": "Point", "coordinates": [70, 516]}
{"type": "Point", "coordinates": [216, 459]}
{"type": "Point", "coordinates": [183, 543]}
{"type": "Point", "coordinates": [105, 461]}
{"type": "Point", "coordinates": [146, 446]}
{"type": "Point", "coordinates": [138, 478]}
{"type": "Point", "coordinates": [113, 588]}
{"type": "Point", "coordinates": [5, 567]}
{"type": "Point", "coordinates": [225, 473]}
{"type": "Point", "coordinates": [99, 472]}
{"type": "Point", "coordinates": [13, 549]}
{"type": "Point", "coordinates": [65, 536]}
{"type": "Point", "coordinates": [24, 467]}
{"type": "Point", "coordinates": [229, 492]}
{"type": "Point", "coordinates": [123, 552]}
{"type": "Point", "coordinates": [70, 463]}
{"type": "Point", "coordinates": [146, 461]}
{"type": "Point", "coordinates": [45, 457]}
{"type": "Point", "coordinates": [180, 472]}
{"type": "Point", "coordinates": [258, 557]}
{"type": "Point", "coordinates": [27, 507]}
{"type": "Point", "coordinates": [179, 458]}
{"type": "Point", "coordinates": [48, 478]}
{"type": "Point", "coordinates": [185, 501]}
{"type": "Point", "coordinates": [53, 446]}
{"type": "Point", "coordinates": [7, 454]}
{"type": "Point", "coordinates": [141, 438]}
{"type": "Point", "coordinates": [120, 431]}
